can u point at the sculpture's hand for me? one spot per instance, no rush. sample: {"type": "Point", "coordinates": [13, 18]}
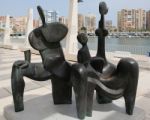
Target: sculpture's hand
{"type": "Point", "coordinates": [21, 64]}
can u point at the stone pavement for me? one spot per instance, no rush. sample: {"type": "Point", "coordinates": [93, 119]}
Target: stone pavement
{"type": "Point", "coordinates": [36, 89]}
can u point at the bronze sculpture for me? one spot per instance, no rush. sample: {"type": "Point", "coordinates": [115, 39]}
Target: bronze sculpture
{"type": "Point", "coordinates": [111, 82]}
{"type": "Point", "coordinates": [46, 39]}
{"type": "Point", "coordinates": [88, 74]}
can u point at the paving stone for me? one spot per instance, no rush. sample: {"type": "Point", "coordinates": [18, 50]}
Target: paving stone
{"type": "Point", "coordinates": [5, 71]}
{"type": "Point", "coordinates": [5, 83]}
{"type": "Point", "coordinates": [147, 95]}
{"type": "Point", "coordinates": [12, 56]}
{"type": "Point", "coordinates": [43, 83]}
{"type": "Point", "coordinates": [5, 67]}
{"type": "Point", "coordinates": [5, 76]}
{"type": "Point", "coordinates": [28, 86]}
{"type": "Point", "coordinates": [2, 118]}
{"type": "Point", "coordinates": [147, 118]}
{"type": "Point", "coordinates": [4, 93]}
{"type": "Point", "coordinates": [144, 103]}
{"type": "Point", "coordinates": [6, 62]}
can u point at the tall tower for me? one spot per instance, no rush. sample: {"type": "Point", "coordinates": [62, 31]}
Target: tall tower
{"type": "Point", "coordinates": [7, 31]}
{"type": "Point", "coordinates": [71, 41]}
{"type": "Point", "coordinates": [29, 27]}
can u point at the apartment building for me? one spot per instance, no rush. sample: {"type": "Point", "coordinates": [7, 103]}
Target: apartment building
{"type": "Point", "coordinates": [63, 20]}
{"type": "Point", "coordinates": [148, 20]}
{"type": "Point", "coordinates": [88, 21]}
{"type": "Point", "coordinates": [131, 20]}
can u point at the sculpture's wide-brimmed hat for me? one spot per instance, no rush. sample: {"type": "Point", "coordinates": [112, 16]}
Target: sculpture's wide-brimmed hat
{"type": "Point", "coordinates": [47, 33]}
{"type": "Point", "coordinates": [54, 32]}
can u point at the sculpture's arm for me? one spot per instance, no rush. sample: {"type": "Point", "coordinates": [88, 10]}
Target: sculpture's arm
{"type": "Point", "coordinates": [24, 63]}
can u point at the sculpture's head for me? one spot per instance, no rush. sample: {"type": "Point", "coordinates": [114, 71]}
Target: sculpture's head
{"type": "Point", "coordinates": [48, 33]}
{"type": "Point", "coordinates": [82, 38]}
{"type": "Point", "coordinates": [103, 9]}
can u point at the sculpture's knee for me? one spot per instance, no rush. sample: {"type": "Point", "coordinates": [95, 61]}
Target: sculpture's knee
{"type": "Point", "coordinates": [16, 71]}
{"type": "Point", "coordinates": [18, 85]}
{"type": "Point", "coordinates": [21, 64]}
{"type": "Point", "coordinates": [17, 63]}
{"type": "Point", "coordinates": [78, 72]}
{"type": "Point", "coordinates": [128, 67]}
{"type": "Point", "coordinates": [79, 81]}
{"type": "Point", "coordinates": [17, 81]}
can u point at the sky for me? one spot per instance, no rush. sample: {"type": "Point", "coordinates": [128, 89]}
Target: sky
{"type": "Point", "coordinates": [20, 7]}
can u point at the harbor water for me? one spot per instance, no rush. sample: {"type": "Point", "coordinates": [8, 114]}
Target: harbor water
{"type": "Point", "coordinates": [138, 45]}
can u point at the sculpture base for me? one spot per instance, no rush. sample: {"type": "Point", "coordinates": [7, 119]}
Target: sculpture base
{"type": "Point", "coordinates": [42, 108]}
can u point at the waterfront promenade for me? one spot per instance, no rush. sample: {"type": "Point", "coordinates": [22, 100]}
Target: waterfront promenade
{"type": "Point", "coordinates": [34, 90]}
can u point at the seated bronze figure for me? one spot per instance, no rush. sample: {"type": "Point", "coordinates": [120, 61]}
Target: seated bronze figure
{"type": "Point", "coordinates": [88, 74]}
{"type": "Point", "coordinates": [46, 39]}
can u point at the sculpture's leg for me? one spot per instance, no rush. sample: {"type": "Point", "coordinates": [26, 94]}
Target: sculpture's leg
{"type": "Point", "coordinates": [61, 87]}
{"type": "Point", "coordinates": [130, 92]}
{"type": "Point", "coordinates": [19, 70]}
{"type": "Point", "coordinates": [61, 90]}
{"type": "Point", "coordinates": [129, 67]}
{"type": "Point", "coordinates": [129, 102]}
{"type": "Point", "coordinates": [17, 81]}
{"type": "Point", "coordinates": [79, 81]}
{"type": "Point", "coordinates": [18, 85]}
{"type": "Point", "coordinates": [130, 95]}
{"type": "Point", "coordinates": [90, 93]}
{"type": "Point", "coordinates": [108, 70]}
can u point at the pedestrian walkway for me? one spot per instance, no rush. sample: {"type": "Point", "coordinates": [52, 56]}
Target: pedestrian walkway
{"type": "Point", "coordinates": [36, 89]}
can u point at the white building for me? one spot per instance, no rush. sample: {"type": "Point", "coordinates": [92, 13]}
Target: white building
{"type": "Point", "coordinates": [51, 16]}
